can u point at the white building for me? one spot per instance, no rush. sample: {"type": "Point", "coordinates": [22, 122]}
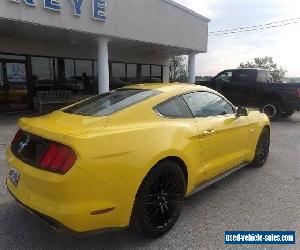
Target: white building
{"type": "Point", "coordinates": [90, 46]}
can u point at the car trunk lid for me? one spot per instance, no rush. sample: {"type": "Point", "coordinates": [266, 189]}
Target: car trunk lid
{"type": "Point", "coordinates": [37, 134]}
{"type": "Point", "coordinates": [59, 124]}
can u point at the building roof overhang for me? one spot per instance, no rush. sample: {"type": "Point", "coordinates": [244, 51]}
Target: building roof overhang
{"type": "Point", "coordinates": [187, 10]}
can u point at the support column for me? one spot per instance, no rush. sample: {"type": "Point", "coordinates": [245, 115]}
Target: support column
{"type": "Point", "coordinates": [192, 68]}
{"type": "Point", "coordinates": [103, 67]}
{"type": "Point", "coordinates": [166, 74]}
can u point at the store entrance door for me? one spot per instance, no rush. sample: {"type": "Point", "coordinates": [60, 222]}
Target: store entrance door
{"type": "Point", "coordinates": [13, 86]}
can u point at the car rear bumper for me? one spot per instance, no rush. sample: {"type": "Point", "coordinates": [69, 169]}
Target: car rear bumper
{"type": "Point", "coordinates": [52, 223]}
{"type": "Point", "coordinates": [75, 202]}
{"type": "Point", "coordinates": [59, 227]}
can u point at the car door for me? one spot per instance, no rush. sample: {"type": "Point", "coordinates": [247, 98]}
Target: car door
{"type": "Point", "coordinates": [223, 83]}
{"type": "Point", "coordinates": [240, 89]}
{"type": "Point", "coordinates": [223, 136]}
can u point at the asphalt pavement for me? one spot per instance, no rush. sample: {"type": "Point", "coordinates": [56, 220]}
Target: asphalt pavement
{"type": "Point", "coordinates": [250, 199]}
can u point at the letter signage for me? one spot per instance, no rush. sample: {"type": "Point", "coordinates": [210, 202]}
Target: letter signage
{"type": "Point", "coordinates": [98, 6]}
{"type": "Point", "coordinates": [77, 7]}
{"type": "Point", "coordinates": [28, 2]}
{"type": "Point", "coordinates": [99, 10]}
{"type": "Point", "coordinates": [52, 5]}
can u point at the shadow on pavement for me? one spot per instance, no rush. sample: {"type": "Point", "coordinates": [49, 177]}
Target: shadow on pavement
{"type": "Point", "coordinates": [20, 229]}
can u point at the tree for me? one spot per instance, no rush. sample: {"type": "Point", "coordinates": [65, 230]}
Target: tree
{"type": "Point", "coordinates": [277, 72]}
{"type": "Point", "coordinates": [178, 69]}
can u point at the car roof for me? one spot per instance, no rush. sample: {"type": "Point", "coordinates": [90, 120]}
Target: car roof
{"type": "Point", "coordinates": [168, 87]}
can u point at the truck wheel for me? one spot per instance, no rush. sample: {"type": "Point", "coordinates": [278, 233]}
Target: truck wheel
{"type": "Point", "coordinates": [159, 199]}
{"type": "Point", "coordinates": [273, 109]}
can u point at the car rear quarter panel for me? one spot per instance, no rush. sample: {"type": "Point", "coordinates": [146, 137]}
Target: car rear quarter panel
{"type": "Point", "coordinates": [128, 153]}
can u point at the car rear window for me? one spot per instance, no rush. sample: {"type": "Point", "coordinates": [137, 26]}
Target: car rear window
{"type": "Point", "coordinates": [111, 102]}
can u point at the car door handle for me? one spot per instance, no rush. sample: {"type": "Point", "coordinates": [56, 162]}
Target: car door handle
{"type": "Point", "coordinates": [209, 132]}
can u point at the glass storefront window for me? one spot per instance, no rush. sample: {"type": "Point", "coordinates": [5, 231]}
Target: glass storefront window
{"type": "Point", "coordinates": [146, 71]}
{"type": "Point", "coordinates": [69, 69]}
{"type": "Point", "coordinates": [59, 71]}
{"type": "Point", "coordinates": [3, 95]}
{"type": "Point", "coordinates": [69, 74]}
{"type": "Point", "coordinates": [84, 75]}
{"type": "Point", "coordinates": [1, 76]}
{"type": "Point", "coordinates": [132, 73]}
{"type": "Point", "coordinates": [16, 73]}
{"type": "Point", "coordinates": [118, 75]}
{"type": "Point", "coordinates": [95, 89]}
{"type": "Point", "coordinates": [13, 95]}
{"type": "Point", "coordinates": [78, 75]}
{"type": "Point", "coordinates": [42, 71]}
{"type": "Point", "coordinates": [12, 57]}
{"type": "Point", "coordinates": [118, 70]}
{"type": "Point", "coordinates": [156, 72]}
{"type": "Point", "coordinates": [96, 70]}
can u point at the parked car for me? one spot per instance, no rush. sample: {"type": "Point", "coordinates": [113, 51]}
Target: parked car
{"type": "Point", "coordinates": [255, 88]}
{"type": "Point", "coordinates": [128, 157]}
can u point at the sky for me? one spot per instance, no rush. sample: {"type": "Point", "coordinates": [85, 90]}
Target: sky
{"type": "Point", "coordinates": [228, 51]}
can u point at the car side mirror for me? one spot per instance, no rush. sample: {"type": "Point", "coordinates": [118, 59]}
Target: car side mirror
{"type": "Point", "coordinates": [242, 111]}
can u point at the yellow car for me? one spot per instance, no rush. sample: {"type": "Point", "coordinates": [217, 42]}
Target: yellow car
{"type": "Point", "coordinates": [128, 157]}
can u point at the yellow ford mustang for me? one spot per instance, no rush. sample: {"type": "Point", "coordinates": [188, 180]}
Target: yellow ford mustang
{"type": "Point", "coordinates": [128, 157]}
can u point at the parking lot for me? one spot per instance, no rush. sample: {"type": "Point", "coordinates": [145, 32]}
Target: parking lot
{"type": "Point", "coordinates": [250, 199]}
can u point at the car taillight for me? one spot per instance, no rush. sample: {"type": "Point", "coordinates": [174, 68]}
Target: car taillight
{"type": "Point", "coordinates": [58, 158]}
{"type": "Point", "coordinates": [298, 91]}
{"type": "Point", "coordinates": [18, 136]}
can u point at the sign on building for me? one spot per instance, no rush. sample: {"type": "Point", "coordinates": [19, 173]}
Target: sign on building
{"type": "Point", "coordinates": [98, 6]}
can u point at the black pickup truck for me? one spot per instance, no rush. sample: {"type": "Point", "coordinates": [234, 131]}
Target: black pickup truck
{"type": "Point", "coordinates": [255, 88]}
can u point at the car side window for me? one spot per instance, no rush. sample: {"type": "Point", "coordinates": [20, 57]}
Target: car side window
{"type": "Point", "coordinates": [225, 77]}
{"type": "Point", "coordinates": [174, 108]}
{"type": "Point", "coordinates": [205, 104]}
{"type": "Point", "coordinates": [269, 77]}
{"type": "Point", "coordinates": [261, 76]}
{"type": "Point", "coordinates": [243, 76]}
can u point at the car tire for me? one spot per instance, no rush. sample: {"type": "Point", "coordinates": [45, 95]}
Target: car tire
{"type": "Point", "coordinates": [262, 149]}
{"type": "Point", "coordinates": [159, 199]}
{"type": "Point", "coordinates": [273, 109]}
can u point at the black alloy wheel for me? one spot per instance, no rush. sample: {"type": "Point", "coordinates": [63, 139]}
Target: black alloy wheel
{"type": "Point", "coordinates": [158, 202]}
{"type": "Point", "coordinates": [262, 149]}
{"type": "Point", "coordinates": [273, 109]}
